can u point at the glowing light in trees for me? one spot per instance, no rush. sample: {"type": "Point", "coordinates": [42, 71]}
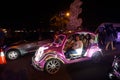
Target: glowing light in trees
{"type": "Point", "coordinates": [68, 14]}
{"type": "Point", "coordinates": [75, 10]}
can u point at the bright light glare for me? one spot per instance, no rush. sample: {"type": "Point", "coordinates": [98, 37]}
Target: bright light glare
{"type": "Point", "coordinates": [67, 14]}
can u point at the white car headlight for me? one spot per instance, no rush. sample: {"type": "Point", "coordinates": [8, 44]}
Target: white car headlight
{"type": "Point", "coordinates": [39, 53]}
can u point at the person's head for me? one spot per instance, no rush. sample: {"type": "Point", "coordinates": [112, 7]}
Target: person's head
{"type": "Point", "coordinates": [88, 36]}
{"type": "Point", "coordinates": [77, 37]}
{"type": "Point", "coordinates": [82, 36]}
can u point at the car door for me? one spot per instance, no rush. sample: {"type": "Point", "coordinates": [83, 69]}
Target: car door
{"type": "Point", "coordinates": [28, 46]}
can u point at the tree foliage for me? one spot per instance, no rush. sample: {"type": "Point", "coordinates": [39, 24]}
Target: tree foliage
{"type": "Point", "coordinates": [74, 20]}
{"type": "Point", "coordinates": [58, 22]}
{"type": "Point", "coordinates": [62, 22]}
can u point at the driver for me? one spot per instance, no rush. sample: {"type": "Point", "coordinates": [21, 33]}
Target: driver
{"type": "Point", "coordinates": [76, 48]}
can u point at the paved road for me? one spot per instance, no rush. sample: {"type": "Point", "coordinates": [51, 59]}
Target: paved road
{"type": "Point", "coordinates": [21, 69]}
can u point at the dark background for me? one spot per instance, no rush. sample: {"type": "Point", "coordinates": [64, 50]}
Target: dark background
{"type": "Point", "coordinates": [19, 14]}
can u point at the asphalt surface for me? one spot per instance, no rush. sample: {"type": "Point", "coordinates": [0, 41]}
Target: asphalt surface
{"type": "Point", "coordinates": [21, 69]}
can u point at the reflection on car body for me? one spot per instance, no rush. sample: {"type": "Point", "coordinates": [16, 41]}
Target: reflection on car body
{"type": "Point", "coordinates": [17, 49]}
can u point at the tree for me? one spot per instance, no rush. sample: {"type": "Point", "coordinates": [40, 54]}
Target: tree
{"type": "Point", "coordinates": [59, 21]}
{"type": "Point", "coordinates": [74, 21]}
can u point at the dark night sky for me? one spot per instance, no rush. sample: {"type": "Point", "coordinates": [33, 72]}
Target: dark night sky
{"type": "Point", "coordinates": [29, 12]}
{"type": "Point", "coordinates": [98, 11]}
{"type": "Point", "coordinates": [33, 12]}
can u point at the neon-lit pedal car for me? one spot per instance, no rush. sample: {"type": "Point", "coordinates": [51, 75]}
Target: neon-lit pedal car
{"type": "Point", "coordinates": [51, 56]}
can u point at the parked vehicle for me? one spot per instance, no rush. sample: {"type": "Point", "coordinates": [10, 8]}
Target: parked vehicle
{"type": "Point", "coordinates": [20, 48]}
{"type": "Point", "coordinates": [51, 56]}
{"type": "Point", "coordinates": [114, 74]}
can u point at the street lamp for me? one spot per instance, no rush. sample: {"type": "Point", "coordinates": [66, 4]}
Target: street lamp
{"type": "Point", "coordinates": [67, 14]}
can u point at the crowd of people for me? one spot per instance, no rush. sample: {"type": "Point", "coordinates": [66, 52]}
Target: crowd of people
{"type": "Point", "coordinates": [106, 40]}
{"type": "Point", "coordinates": [77, 45]}
{"type": "Point", "coordinates": [107, 36]}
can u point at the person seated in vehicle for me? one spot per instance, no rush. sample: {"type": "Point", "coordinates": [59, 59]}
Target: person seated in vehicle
{"type": "Point", "coordinates": [58, 40]}
{"type": "Point", "coordinates": [87, 40]}
{"type": "Point", "coordinates": [76, 49]}
{"type": "Point", "coordinates": [92, 41]}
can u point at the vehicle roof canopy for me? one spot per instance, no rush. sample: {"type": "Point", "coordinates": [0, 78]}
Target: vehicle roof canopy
{"type": "Point", "coordinates": [108, 23]}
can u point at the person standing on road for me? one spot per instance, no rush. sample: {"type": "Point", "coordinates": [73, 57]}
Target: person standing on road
{"type": "Point", "coordinates": [101, 32]}
{"type": "Point", "coordinates": [110, 37]}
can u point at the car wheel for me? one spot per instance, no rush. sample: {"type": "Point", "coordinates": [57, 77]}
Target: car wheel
{"type": "Point", "coordinates": [97, 57]}
{"type": "Point", "coordinates": [13, 54]}
{"type": "Point", "coordinates": [52, 66]}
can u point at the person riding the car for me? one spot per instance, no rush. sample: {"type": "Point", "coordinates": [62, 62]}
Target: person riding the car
{"type": "Point", "coordinates": [76, 48]}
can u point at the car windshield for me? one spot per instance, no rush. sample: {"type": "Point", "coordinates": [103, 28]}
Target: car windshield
{"type": "Point", "coordinates": [59, 39]}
